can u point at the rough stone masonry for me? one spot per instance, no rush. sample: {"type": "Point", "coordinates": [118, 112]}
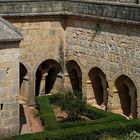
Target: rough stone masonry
{"type": "Point", "coordinates": [81, 45]}
{"type": "Point", "coordinates": [10, 38]}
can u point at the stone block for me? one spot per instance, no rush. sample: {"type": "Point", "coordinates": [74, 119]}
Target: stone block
{"type": "Point", "coordinates": [52, 32]}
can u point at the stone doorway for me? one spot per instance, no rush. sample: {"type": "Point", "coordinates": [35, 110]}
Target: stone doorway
{"type": "Point", "coordinates": [99, 86]}
{"type": "Point", "coordinates": [48, 77]}
{"type": "Point", "coordinates": [75, 76]}
{"type": "Point", "coordinates": [127, 96]}
{"type": "Point", "coordinates": [23, 83]}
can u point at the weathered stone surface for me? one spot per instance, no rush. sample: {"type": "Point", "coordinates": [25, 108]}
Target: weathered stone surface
{"type": "Point", "coordinates": [92, 34]}
{"type": "Point", "coordinates": [9, 79]}
{"type": "Point", "coordinates": [111, 50]}
{"type": "Point", "coordinates": [90, 8]}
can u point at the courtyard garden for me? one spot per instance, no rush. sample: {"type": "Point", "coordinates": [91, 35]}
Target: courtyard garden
{"type": "Point", "coordinates": [68, 117]}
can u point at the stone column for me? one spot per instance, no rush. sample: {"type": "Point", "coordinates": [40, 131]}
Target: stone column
{"type": "Point", "coordinates": [84, 84]}
{"type": "Point", "coordinates": [113, 97]}
{"type": "Point", "coordinates": [105, 94]}
{"type": "Point", "coordinates": [67, 83]}
{"type": "Point", "coordinates": [132, 91]}
{"type": "Point", "coordinates": [24, 88]}
{"type": "Point", "coordinates": [58, 85]}
{"type": "Point", "coordinates": [42, 91]}
{"type": "Point", "coordinates": [90, 96]}
{"type": "Point", "coordinates": [89, 92]}
{"type": "Point", "coordinates": [84, 92]}
{"type": "Point", "coordinates": [138, 106]}
{"type": "Point", "coordinates": [31, 90]}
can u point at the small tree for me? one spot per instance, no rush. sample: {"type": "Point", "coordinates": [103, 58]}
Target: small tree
{"type": "Point", "coordinates": [73, 105]}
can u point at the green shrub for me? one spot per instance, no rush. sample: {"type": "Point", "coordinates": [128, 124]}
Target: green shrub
{"type": "Point", "coordinates": [96, 113]}
{"type": "Point", "coordinates": [46, 112]}
{"type": "Point", "coordinates": [73, 105]}
{"type": "Point", "coordinates": [84, 123]}
{"type": "Point", "coordinates": [56, 98]}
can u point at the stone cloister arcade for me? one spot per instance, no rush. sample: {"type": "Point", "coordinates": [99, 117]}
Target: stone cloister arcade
{"type": "Point", "coordinates": [51, 46]}
{"type": "Point", "coordinates": [49, 78]}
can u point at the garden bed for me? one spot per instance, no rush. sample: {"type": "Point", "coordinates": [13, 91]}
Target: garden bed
{"type": "Point", "coordinates": [106, 124]}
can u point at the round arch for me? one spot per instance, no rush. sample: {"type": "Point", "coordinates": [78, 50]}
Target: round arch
{"type": "Point", "coordinates": [126, 73]}
{"type": "Point", "coordinates": [99, 85]}
{"type": "Point", "coordinates": [127, 93]}
{"type": "Point", "coordinates": [46, 76]}
{"type": "Point", "coordinates": [40, 61]}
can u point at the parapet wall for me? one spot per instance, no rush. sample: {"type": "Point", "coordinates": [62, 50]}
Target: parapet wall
{"type": "Point", "coordinates": [94, 9]}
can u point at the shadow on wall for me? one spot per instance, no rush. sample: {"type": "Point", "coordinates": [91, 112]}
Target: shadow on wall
{"type": "Point", "coordinates": [75, 76]}
{"type": "Point", "coordinates": [23, 82]}
{"type": "Point", "coordinates": [22, 118]}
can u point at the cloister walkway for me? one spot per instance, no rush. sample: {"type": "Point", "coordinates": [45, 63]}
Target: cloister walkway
{"type": "Point", "coordinates": [29, 123]}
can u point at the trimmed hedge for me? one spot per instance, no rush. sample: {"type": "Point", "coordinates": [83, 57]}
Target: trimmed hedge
{"type": "Point", "coordinates": [46, 113]}
{"type": "Point", "coordinates": [108, 118]}
{"type": "Point", "coordinates": [110, 124]}
{"type": "Point", "coordinates": [98, 115]}
{"type": "Point", "coordinates": [88, 132]}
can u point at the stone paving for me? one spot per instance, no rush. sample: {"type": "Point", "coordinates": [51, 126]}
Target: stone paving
{"type": "Point", "coordinates": [29, 123]}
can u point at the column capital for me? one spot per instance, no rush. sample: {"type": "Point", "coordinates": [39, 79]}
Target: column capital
{"type": "Point", "coordinates": [26, 77]}
{"type": "Point", "coordinates": [44, 76]}
{"type": "Point", "coordinates": [88, 82]}
{"type": "Point", "coordinates": [60, 75]}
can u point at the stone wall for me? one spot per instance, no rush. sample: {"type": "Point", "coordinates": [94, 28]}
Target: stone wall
{"type": "Point", "coordinates": [94, 37]}
{"type": "Point", "coordinates": [90, 42]}
{"type": "Point", "coordinates": [9, 83]}
{"type": "Point", "coordinates": [43, 40]}
{"type": "Point", "coordinates": [115, 1]}
{"type": "Point", "coordinates": [113, 48]}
